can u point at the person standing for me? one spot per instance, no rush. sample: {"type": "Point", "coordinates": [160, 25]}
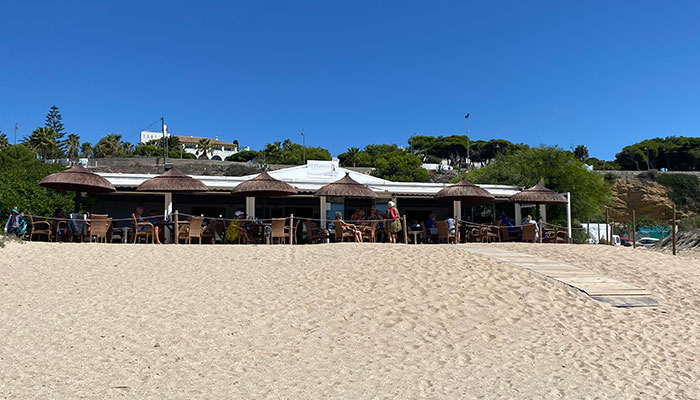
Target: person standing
{"type": "Point", "coordinates": [394, 221]}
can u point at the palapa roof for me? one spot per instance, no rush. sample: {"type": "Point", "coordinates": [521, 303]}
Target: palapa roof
{"type": "Point", "coordinates": [172, 181]}
{"type": "Point", "coordinates": [78, 178]}
{"type": "Point", "coordinates": [464, 191]}
{"type": "Point", "coordinates": [346, 187]}
{"type": "Point", "coordinates": [264, 185]}
{"type": "Point", "coordinates": [538, 194]}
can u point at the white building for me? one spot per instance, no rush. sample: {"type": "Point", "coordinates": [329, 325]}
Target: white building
{"type": "Point", "coordinates": [219, 148]}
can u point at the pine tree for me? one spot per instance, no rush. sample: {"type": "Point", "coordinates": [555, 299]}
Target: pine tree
{"type": "Point", "coordinates": [54, 121]}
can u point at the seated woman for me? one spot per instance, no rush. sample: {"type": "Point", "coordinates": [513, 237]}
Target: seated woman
{"type": "Point", "coordinates": [348, 227]}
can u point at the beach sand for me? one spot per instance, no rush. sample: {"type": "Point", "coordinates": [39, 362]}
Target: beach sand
{"type": "Point", "coordinates": [340, 321]}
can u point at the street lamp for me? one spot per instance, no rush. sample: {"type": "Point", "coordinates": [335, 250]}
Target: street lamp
{"type": "Point", "coordinates": [303, 146]}
{"type": "Point", "coordinates": [469, 160]}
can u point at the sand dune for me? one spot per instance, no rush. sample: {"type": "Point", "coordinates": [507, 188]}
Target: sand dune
{"type": "Point", "coordinates": [338, 321]}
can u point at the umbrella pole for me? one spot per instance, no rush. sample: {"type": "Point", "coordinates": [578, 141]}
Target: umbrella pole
{"type": "Point", "coordinates": [345, 207]}
{"type": "Point", "coordinates": [77, 201]}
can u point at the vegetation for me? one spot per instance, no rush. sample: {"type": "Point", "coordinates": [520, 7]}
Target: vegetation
{"type": "Point", "coordinates": [20, 173]}
{"type": "Point", "coordinates": [3, 140]}
{"type": "Point", "coordinates": [559, 170]}
{"type": "Point", "coordinates": [244, 156]}
{"type": "Point", "coordinates": [685, 189]}
{"type": "Point", "coordinates": [689, 224]}
{"type": "Point", "coordinates": [454, 149]}
{"type": "Point", "coordinates": [673, 153]}
{"type": "Point", "coordinates": [43, 142]}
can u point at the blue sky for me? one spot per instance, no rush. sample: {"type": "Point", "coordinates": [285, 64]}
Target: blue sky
{"type": "Point", "coordinates": [351, 73]}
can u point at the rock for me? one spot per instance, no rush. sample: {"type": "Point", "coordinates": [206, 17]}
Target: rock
{"type": "Point", "coordinates": [650, 200]}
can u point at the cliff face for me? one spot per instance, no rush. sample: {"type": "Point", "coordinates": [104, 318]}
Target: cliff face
{"type": "Point", "coordinates": [650, 200]}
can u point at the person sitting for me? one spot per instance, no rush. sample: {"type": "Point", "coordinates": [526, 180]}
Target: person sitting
{"type": "Point", "coordinates": [529, 220]}
{"type": "Point", "coordinates": [356, 216]}
{"type": "Point", "coordinates": [451, 228]}
{"type": "Point", "coordinates": [431, 225]}
{"type": "Point", "coordinates": [348, 227]}
{"type": "Point", "coordinates": [506, 222]}
{"type": "Point", "coordinates": [152, 219]}
{"type": "Point", "coordinates": [374, 215]}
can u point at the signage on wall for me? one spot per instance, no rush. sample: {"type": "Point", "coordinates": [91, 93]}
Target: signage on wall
{"type": "Point", "coordinates": [322, 168]}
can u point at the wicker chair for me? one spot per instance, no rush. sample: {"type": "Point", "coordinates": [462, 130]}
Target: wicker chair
{"type": "Point", "coordinates": [39, 227]}
{"type": "Point", "coordinates": [280, 230]}
{"type": "Point", "coordinates": [369, 232]}
{"type": "Point", "coordinates": [341, 234]}
{"type": "Point", "coordinates": [314, 234]}
{"type": "Point", "coordinates": [99, 227]}
{"type": "Point", "coordinates": [444, 233]}
{"type": "Point", "coordinates": [147, 232]}
{"type": "Point", "coordinates": [194, 230]}
{"type": "Point", "coordinates": [529, 233]}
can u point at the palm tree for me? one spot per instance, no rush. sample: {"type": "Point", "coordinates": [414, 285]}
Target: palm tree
{"type": "Point", "coordinates": [109, 146]}
{"type": "Point", "coordinates": [204, 147]}
{"type": "Point", "coordinates": [3, 140]}
{"type": "Point", "coordinates": [127, 147]}
{"type": "Point", "coordinates": [72, 145]}
{"type": "Point", "coordinates": [273, 152]}
{"type": "Point", "coordinates": [352, 154]}
{"type": "Point", "coordinates": [86, 149]}
{"type": "Point", "coordinates": [43, 141]}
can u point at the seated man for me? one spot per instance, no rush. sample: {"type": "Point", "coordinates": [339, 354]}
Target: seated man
{"type": "Point", "coordinates": [153, 219]}
{"type": "Point", "coordinates": [529, 220]}
{"type": "Point", "coordinates": [431, 225]}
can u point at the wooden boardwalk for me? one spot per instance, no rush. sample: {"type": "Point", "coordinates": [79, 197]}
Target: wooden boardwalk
{"type": "Point", "coordinates": [612, 291]}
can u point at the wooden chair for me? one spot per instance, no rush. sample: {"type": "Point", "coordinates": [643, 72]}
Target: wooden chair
{"type": "Point", "coordinates": [194, 230]}
{"type": "Point", "coordinates": [529, 233]}
{"type": "Point", "coordinates": [341, 234]}
{"type": "Point", "coordinates": [489, 234]}
{"type": "Point", "coordinates": [39, 227]}
{"type": "Point", "coordinates": [314, 234]}
{"type": "Point", "coordinates": [279, 230]}
{"type": "Point", "coordinates": [99, 227]}
{"type": "Point", "coordinates": [147, 231]}
{"type": "Point", "coordinates": [444, 233]}
{"type": "Point", "coordinates": [370, 232]}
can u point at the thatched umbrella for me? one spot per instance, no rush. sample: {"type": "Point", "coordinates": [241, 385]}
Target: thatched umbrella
{"type": "Point", "coordinates": [77, 179]}
{"type": "Point", "coordinates": [538, 194]}
{"type": "Point", "coordinates": [464, 191]}
{"type": "Point", "coordinates": [346, 187]}
{"type": "Point", "coordinates": [173, 181]}
{"type": "Point", "coordinates": [264, 186]}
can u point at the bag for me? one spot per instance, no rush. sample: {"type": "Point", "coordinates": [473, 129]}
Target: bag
{"type": "Point", "coordinates": [396, 225]}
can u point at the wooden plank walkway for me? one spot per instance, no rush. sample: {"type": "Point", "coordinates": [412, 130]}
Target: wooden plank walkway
{"type": "Point", "coordinates": [601, 288]}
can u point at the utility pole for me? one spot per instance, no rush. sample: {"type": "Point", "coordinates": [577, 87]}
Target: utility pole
{"type": "Point", "coordinates": [303, 146]}
{"type": "Point", "coordinates": [469, 160]}
{"type": "Point", "coordinates": [165, 141]}
{"type": "Point", "coordinates": [16, 127]}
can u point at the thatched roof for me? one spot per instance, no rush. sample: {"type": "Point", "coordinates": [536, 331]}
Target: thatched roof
{"type": "Point", "coordinates": [464, 191]}
{"type": "Point", "coordinates": [346, 187]}
{"type": "Point", "coordinates": [79, 179]}
{"type": "Point", "coordinates": [172, 181]}
{"type": "Point", "coordinates": [538, 194]}
{"type": "Point", "coordinates": [264, 185]}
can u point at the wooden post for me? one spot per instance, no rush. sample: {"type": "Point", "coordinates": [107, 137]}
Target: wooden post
{"type": "Point", "coordinates": [611, 233]}
{"type": "Point", "coordinates": [673, 231]}
{"type": "Point", "coordinates": [541, 230]}
{"type": "Point", "coordinates": [634, 229]}
{"type": "Point", "coordinates": [291, 229]}
{"type": "Point", "coordinates": [607, 226]}
{"type": "Point", "coordinates": [405, 230]}
{"type": "Point", "coordinates": [176, 230]}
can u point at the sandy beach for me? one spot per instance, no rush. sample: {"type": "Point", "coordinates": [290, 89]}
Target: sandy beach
{"type": "Point", "coordinates": [342, 321]}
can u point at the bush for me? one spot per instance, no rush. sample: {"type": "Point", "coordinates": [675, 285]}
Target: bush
{"type": "Point", "coordinates": [685, 189]}
{"type": "Point", "coordinates": [20, 173]}
{"type": "Point", "coordinates": [689, 224]}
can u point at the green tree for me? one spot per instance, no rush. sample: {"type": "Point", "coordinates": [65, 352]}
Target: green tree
{"type": "Point", "coordinates": [20, 173]}
{"type": "Point", "coordinates": [559, 170]}
{"type": "Point", "coordinates": [109, 146]}
{"type": "Point", "coordinates": [401, 166]}
{"type": "Point", "coordinates": [54, 121]}
{"type": "Point", "coordinates": [352, 155]}
{"type": "Point", "coordinates": [86, 149]}
{"type": "Point", "coordinates": [3, 140]}
{"type": "Point", "coordinates": [42, 141]}
{"type": "Point", "coordinates": [72, 146]}
{"type": "Point", "coordinates": [581, 153]}
{"type": "Point", "coordinates": [204, 147]}
{"type": "Point", "coordinates": [273, 152]}
{"type": "Point", "coordinates": [244, 156]}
